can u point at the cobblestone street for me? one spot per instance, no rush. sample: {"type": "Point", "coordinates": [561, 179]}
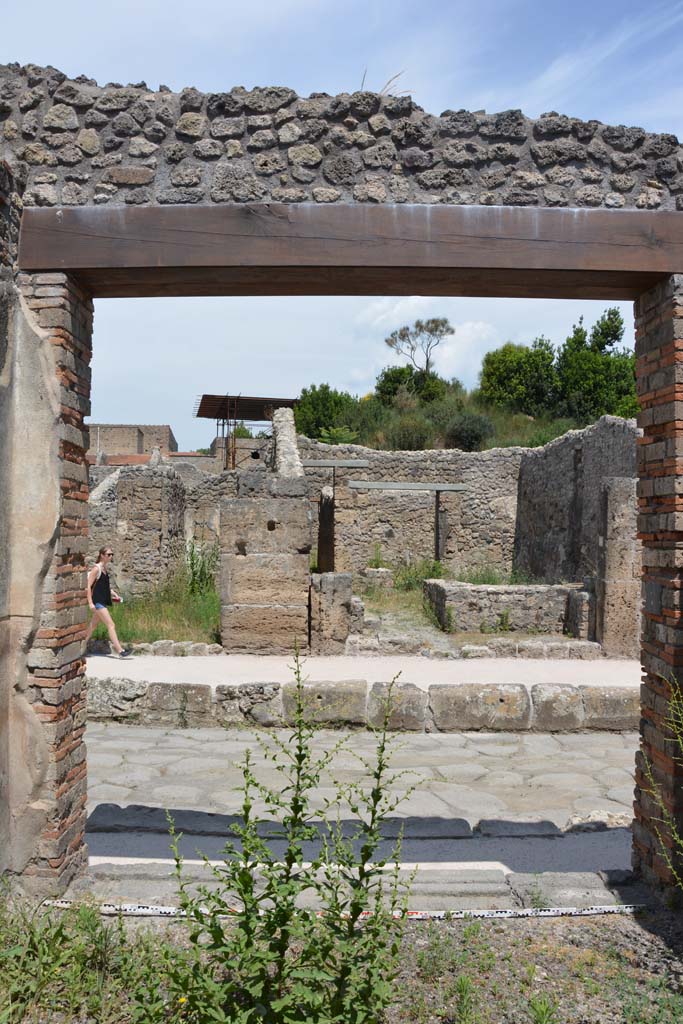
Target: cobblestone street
{"type": "Point", "coordinates": [490, 815]}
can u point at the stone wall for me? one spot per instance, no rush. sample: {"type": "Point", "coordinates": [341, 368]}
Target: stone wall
{"type": "Point", "coordinates": [480, 521]}
{"type": "Point", "coordinates": [82, 144]}
{"type": "Point", "coordinates": [130, 438]}
{"type": "Point", "coordinates": [265, 537]}
{"type": "Point", "coordinates": [558, 508]}
{"type": "Point", "coordinates": [463, 607]}
{"type": "Point", "coordinates": [203, 506]}
{"type": "Point", "coordinates": [617, 585]}
{"type": "Point", "coordinates": [140, 512]}
{"type": "Point", "coordinates": [9, 216]}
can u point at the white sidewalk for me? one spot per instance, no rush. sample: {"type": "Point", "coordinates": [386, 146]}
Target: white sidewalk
{"type": "Point", "coordinates": [423, 672]}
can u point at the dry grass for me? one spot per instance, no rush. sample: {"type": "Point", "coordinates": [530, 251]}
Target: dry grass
{"type": "Point", "coordinates": [170, 613]}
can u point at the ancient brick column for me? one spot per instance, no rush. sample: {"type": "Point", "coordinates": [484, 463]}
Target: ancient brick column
{"type": "Point", "coordinates": [659, 354]}
{"type": "Point", "coordinates": [45, 347]}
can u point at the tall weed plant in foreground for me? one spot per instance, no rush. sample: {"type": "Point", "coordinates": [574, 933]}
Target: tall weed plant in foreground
{"type": "Point", "coordinates": [280, 939]}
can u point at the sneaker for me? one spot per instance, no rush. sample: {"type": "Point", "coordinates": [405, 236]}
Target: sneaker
{"type": "Point", "coordinates": [126, 653]}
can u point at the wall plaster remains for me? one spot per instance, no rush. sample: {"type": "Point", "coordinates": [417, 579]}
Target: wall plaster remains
{"type": "Point", "coordinates": [70, 142]}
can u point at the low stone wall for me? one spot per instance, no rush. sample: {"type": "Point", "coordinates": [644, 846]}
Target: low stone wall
{"type": "Point", "coordinates": [443, 707]}
{"type": "Point", "coordinates": [468, 608]}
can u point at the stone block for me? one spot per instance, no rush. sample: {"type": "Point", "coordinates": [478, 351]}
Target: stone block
{"type": "Point", "coordinates": [330, 611]}
{"type": "Point", "coordinates": [584, 650]}
{"type": "Point", "coordinates": [407, 706]}
{"type": "Point", "coordinates": [611, 707]}
{"type": "Point", "coordinates": [264, 629]}
{"type": "Point", "coordinates": [264, 578]}
{"type": "Point", "coordinates": [557, 708]}
{"type": "Point", "coordinates": [116, 699]}
{"type": "Point", "coordinates": [329, 703]}
{"type": "Point", "coordinates": [496, 707]}
{"type": "Point", "coordinates": [181, 704]}
{"type": "Point", "coordinates": [265, 524]}
{"type": "Point", "coordinates": [162, 648]}
{"type": "Point", "coordinates": [249, 702]}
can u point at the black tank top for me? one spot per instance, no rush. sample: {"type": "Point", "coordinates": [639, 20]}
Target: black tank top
{"type": "Point", "coordinates": [101, 591]}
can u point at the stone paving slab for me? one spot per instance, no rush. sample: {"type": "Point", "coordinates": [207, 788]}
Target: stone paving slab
{"type": "Point", "coordinates": [556, 825]}
{"type": "Point", "coordinates": [445, 696]}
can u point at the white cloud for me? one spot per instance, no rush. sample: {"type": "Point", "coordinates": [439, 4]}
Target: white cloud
{"type": "Point", "coordinates": [460, 355]}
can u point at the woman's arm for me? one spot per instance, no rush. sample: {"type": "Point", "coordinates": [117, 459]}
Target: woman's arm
{"type": "Point", "coordinates": [92, 576]}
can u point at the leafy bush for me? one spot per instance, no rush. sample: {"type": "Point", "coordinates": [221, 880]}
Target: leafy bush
{"type": "Point", "coordinates": [429, 386]}
{"type": "Point", "coordinates": [522, 377]}
{"type": "Point", "coordinates": [338, 435]}
{"type": "Point", "coordinates": [468, 431]}
{"type": "Point", "coordinates": [201, 564]}
{"type": "Point", "coordinates": [390, 380]}
{"type": "Point", "coordinates": [411, 576]}
{"type": "Point", "coordinates": [241, 430]}
{"type": "Point", "coordinates": [259, 951]}
{"type": "Point", "coordinates": [321, 407]}
{"type": "Point", "coordinates": [410, 432]}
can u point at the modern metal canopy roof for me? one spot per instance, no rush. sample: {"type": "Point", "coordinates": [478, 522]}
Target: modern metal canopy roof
{"type": "Point", "coordinates": [240, 407]}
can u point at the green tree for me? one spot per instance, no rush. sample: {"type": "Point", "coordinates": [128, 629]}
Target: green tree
{"type": "Point", "coordinates": [241, 430]}
{"type": "Point", "coordinates": [417, 343]}
{"type": "Point", "coordinates": [321, 407]}
{"type": "Point", "coordinates": [429, 387]}
{"type": "Point", "coordinates": [521, 377]}
{"type": "Point", "coordinates": [390, 380]}
{"type": "Point", "coordinates": [594, 376]}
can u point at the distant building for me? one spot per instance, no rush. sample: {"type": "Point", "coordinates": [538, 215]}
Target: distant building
{"type": "Point", "coordinates": [129, 439]}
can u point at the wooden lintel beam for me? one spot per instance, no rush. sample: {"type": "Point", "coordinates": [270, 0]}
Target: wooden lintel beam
{"type": "Point", "coordinates": [355, 249]}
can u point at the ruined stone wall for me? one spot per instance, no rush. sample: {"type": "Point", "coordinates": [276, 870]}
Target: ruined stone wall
{"type": "Point", "coordinates": [202, 506]}
{"type": "Point", "coordinates": [462, 607]}
{"type": "Point", "coordinates": [480, 521]}
{"type": "Point", "coordinates": [558, 511]}
{"type": "Point", "coordinates": [82, 144]}
{"type": "Point", "coordinates": [130, 438]}
{"type": "Point", "coordinates": [150, 520]}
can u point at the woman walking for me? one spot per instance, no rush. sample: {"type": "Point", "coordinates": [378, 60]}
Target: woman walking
{"type": "Point", "coordinates": [100, 598]}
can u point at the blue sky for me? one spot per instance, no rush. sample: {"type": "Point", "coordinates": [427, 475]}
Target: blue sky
{"type": "Point", "coordinates": [619, 62]}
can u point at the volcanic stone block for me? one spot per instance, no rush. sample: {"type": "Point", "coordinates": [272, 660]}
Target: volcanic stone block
{"type": "Point", "coordinates": [330, 602]}
{"type": "Point", "coordinates": [179, 704]}
{"type": "Point", "coordinates": [407, 705]}
{"type": "Point", "coordinates": [498, 707]}
{"type": "Point", "coordinates": [329, 703]}
{"type": "Point", "coordinates": [264, 578]}
{"type": "Point", "coordinates": [619, 566]}
{"type": "Point", "coordinates": [611, 707]}
{"type": "Point", "coordinates": [557, 708]}
{"type": "Point", "coordinates": [265, 524]}
{"type": "Point", "coordinates": [264, 628]}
